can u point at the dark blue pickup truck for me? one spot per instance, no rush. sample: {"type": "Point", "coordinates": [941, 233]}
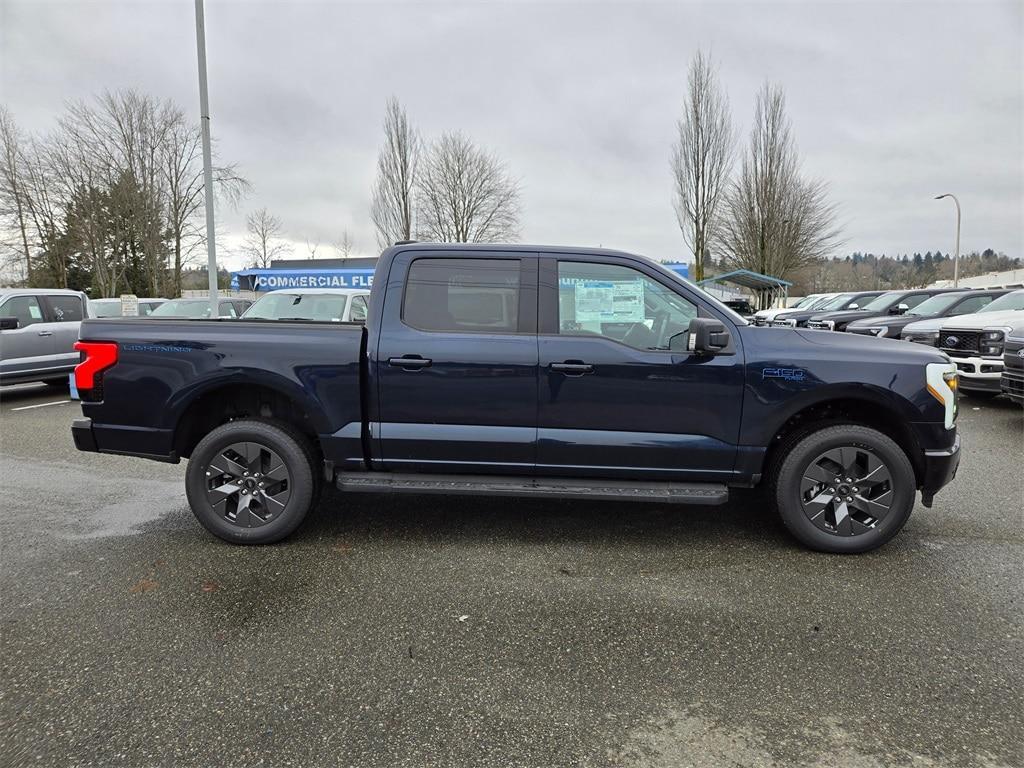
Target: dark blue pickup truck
{"type": "Point", "coordinates": [526, 371]}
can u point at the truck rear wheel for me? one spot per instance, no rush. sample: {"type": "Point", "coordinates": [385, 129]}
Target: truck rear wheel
{"type": "Point", "coordinates": [845, 488]}
{"type": "Point", "coordinates": [251, 481]}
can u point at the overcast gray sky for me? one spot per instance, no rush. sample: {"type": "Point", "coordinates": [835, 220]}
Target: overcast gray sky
{"type": "Point", "coordinates": [891, 103]}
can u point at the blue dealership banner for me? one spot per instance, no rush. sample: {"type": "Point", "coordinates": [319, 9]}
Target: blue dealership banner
{"type": "Point", "coordinates": [276, 279]}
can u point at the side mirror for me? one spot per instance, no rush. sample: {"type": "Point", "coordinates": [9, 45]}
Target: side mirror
{"type": "Point", "coordinates": [9, 324]}
{"type": "Point", "coordinates": [855, 305]}
{"type": "Point", "coordinates": [899, 309]}
{"type": "Point", "coordinates": [708, 336]}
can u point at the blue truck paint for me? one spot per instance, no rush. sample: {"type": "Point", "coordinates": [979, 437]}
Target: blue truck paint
{"type": "Point", "coordinates": [491, 403]}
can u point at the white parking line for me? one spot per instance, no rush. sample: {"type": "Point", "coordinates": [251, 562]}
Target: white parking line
{"type": "Point", "coordinates": [41, 405]}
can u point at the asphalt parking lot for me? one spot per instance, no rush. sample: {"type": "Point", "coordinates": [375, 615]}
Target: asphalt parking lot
{"type": "Point", "coordinates": [497, 632]}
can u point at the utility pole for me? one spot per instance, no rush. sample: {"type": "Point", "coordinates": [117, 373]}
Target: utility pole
{"type": "Point", "coordinates": [956, 253]}
{"type": "Point", "coordinates": [204, 123]}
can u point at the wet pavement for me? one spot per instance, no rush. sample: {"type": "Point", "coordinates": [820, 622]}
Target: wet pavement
{"type": "Point", "coordinates": [498, 632]}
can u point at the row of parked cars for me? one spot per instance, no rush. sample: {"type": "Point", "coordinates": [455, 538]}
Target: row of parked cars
{"type": "Point", "coordinates": [39, 327]}
{"type": "Point", "coordinates": [981, 330]}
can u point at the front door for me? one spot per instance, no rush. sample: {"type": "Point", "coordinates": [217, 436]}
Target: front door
{"type": "Point", "coordinates": [456, 364]}
{"type": "Point", "coordinates": [615, 399]}
{"type": "Point", "coordinates": [29, 348]}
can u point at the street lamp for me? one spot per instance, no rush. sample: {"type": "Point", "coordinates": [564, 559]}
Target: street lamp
{"type": "Point", "coordinates": [956, 253]}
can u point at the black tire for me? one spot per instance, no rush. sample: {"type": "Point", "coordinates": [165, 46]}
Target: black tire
{"type": "Point", "coordinates": [269, 452]}
{"type": "Point", "coordinates": [812, 502]}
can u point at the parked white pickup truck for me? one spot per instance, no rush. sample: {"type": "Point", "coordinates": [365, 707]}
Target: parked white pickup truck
{"type": "Point", "coordinates": [815, 300]}
{"type": "Point", "coordinates": [975, 343]}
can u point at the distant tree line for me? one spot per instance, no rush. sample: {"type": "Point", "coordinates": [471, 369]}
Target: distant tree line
{"type": "Point", "coordinates": [111, 200]}
{"type": "Point", "coordinates": [859, 271]}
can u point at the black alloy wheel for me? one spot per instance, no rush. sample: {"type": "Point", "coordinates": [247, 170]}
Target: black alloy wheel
{"type": "Point", "coordinates": [252, 481]}
{"type": "Point", "coordinates": [844, 488]}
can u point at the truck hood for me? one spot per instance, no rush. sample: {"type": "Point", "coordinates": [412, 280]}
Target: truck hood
{"type": "Point", "coordinates": [846, 315]}
{"type": "Point", "coordinates": [854, 346]}
{"type": "Point", "coordinates": [984, 319]}
{"type": "Point", "coordinates": [889, 321]}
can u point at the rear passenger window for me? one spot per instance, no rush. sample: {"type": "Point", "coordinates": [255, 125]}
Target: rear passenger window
{"type": "Point", "coordinates": [463, 295]}
{"type": "Point", "coordinates": [65, 309]}
{"type": "Point", "coordinates": [971, 305]}
{"type": "Point", "coordinates": [358, 312]}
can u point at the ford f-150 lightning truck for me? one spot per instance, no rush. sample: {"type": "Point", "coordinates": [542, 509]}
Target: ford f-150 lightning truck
{"type": "Point", "coordinates": [526, 371]}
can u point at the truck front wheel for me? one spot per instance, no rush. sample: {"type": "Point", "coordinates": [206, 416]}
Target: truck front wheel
{"type": "Point", "coordinates": [845, 488]}
{"type": "Point", "coordinates": [251, 481]}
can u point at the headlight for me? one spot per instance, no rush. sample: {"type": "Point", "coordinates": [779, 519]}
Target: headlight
{"type": "Point", "coordinates": [941, 381]}
{"type": "Point", "coordinates": [991, 342]}
{"type": "Point", "coordinates": [931, 338]}
{"type": "Point", "coordinates": [881, 331]}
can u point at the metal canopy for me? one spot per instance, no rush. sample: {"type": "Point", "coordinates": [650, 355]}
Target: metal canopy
{"type": "Point", "coordinates": [768, 289]}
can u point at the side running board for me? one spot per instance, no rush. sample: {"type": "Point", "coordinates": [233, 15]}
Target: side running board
{"type": "Point", "coordinates": [542, 487]}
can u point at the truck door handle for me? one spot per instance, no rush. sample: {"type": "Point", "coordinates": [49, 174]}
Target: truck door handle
{"type": "Point", "coordinates": [46, 333]}
{"type": "Point", "coordinates": [410, 362]}
{"type": "Point", "coordinates": [573, 368]}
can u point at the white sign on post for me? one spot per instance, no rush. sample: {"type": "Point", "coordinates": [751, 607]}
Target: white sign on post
{"type": "Point", "coordinates": [129, 305]}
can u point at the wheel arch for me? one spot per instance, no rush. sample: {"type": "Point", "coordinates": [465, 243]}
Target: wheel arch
{"type": "Point", "coordinates": [257, 396]}
{"type": "Point", "coordinates": [857, 407]}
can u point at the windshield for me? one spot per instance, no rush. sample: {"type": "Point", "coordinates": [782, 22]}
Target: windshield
{"type": "Point", "coordinates": [883, 301]}
{"type": "Point", "coordinates": [105, 308]}
{"type": "Point", "coordinates": [1010, 301]}
{"type": "Point", "coordinates": [935, 305]}
{"type": "Point", "coordinates": [318, 307]}
{"type": "Point", "coordinates": [836, 302]}
{"type": "Point", "coordinates": [183, 308]}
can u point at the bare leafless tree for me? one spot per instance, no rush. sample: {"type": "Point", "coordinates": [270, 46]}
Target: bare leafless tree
{"type": "Point", "coordinates": [397, 167]}
{"type": "Point", "coordinates": [465, 195]}
{"type": "Point", "coordinates": [14, 205]}
{"type": "Point", "coordinates": [701, 160]}
{"type": "Point", "coordinates": [345, 244]}
{"type": "Point", "coordinates": [263, 242]}
{"type": "Point", "coordinates": [777, 221]}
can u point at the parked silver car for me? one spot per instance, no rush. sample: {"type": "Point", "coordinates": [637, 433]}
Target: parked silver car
{"type": "Point", "coordinates": [38, 331]}
{"type": "Point", "coordinates": [112, 307]}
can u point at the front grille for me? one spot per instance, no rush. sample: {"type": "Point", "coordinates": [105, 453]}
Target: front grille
{"type": "Point", "coordinates": [821, 325]}
{"type": "Point", "coordinates": [1013, 355]}
{"type": "Point", "coordinates": [952, 340]}
{"type": "Point", "coordinates": [784, 323]}
{"type": "Point", "coordinates": [1012, 384]}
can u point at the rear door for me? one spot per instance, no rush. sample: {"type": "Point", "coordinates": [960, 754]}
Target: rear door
{"type": "Point", "coordinates": [456, 363]}
{"type": "Point", "coordinates": [29, 348]}
{"type": "Point", "coordinates": [614, 399]}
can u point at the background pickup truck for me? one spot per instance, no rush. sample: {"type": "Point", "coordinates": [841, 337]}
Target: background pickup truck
{"type": "Point", "coordinates": [526, 371]}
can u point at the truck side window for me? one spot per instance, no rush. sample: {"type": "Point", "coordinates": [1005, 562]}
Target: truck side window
{"type": "Point", "coordinates": [971, 305]}
{"type": "Point", "coordinates": [463, 295]}
{"type": "Point", "coordinates": [619, 303]}
{"type": "Point", "coordinates": [25, 308]}
{"type": "Point", "coordinates": [358, 312]}
{"type": "Point", "coordinates": [65, 309]}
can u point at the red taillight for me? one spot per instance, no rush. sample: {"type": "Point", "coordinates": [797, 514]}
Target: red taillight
{"type": "Point", "coordinates": [99, 355]}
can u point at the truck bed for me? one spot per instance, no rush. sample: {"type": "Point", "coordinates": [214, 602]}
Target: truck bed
{"type": "Point", "coordinates": [168, 369]}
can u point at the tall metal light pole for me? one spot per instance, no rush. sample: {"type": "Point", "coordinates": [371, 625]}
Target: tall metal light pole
{"type": "Point", "coordinates": [956, 253]}
{"type": "Point", "coordinates": [204, 123]}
